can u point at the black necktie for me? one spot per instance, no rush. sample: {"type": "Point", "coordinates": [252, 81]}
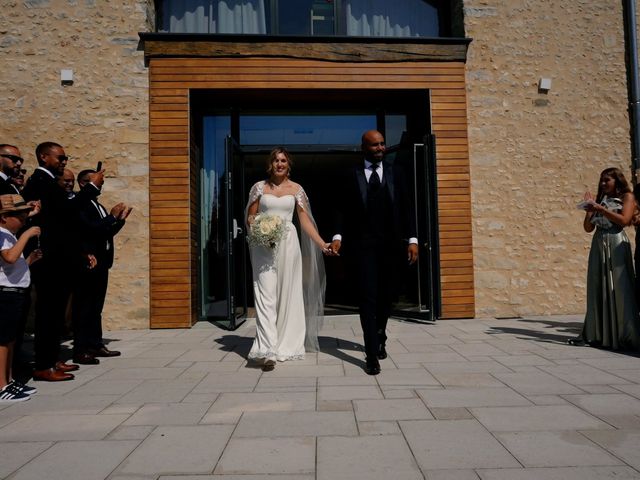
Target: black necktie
{"type": "Point", "coordinates": [374, 179]}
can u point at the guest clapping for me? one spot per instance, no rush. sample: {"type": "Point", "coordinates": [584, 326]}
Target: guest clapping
{"type": "Point", "coordinates": [611, 320]}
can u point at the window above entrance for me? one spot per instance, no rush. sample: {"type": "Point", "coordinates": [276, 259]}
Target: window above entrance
{"type": "Point", "coordinates": [351, 18]}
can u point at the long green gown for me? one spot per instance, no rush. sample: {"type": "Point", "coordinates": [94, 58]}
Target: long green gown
{"type": "Point", "coordinates": [612, 319]}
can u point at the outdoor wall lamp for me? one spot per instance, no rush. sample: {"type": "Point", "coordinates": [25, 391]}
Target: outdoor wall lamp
{"type": "Point", "coordinates": [66, 77]}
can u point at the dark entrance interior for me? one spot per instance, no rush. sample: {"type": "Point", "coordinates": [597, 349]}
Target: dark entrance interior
{"type": "Point", "coordinates": [320, 118]}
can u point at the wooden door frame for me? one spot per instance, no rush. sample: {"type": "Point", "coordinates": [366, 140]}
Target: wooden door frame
{"type": "Point", "coordinates": [179, 65]}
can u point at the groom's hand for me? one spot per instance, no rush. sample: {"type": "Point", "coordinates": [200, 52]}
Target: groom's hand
{"type": "Point", "coordinates": [335, 246]}
{"type": "Point", "coordinates": [412, 253]}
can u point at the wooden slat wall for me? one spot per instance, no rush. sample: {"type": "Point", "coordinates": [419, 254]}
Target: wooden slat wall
{"type": "Point", "coordinates": [173, 205]}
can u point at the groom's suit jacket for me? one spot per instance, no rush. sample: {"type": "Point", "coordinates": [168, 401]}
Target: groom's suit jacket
{"type": "Point", "coordinates": [352, 216]}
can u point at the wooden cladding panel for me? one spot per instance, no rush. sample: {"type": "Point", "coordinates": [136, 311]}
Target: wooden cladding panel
{"type": "Point", "coordinates": [173, 187]}
{"type": "Point", "coordinates": [449, 123]}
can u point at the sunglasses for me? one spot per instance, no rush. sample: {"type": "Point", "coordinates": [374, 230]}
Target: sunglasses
{"type": "Point", "coordinates": [13, 158]}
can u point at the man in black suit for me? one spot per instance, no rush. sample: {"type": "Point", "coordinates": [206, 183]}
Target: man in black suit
{"type": "Point", "coordinates": [54, 274]}
{"type": "Point", "coordinates": [96, 229]}
{"type": "Point", "coordinates": [10, 165]}
{"type": "Point", "coordinates": [375, 216]}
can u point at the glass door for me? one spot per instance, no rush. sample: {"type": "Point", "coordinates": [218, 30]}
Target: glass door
{"type": "Point", "coordinates": [234, 194]}
{"type": "Point", "coordinates": [223, 260]}
{"type": "Point", "coordinates": [417, 283]}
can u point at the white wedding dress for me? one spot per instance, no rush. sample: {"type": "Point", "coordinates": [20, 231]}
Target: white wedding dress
{"type": "Point", "coordinates": [283, 327]}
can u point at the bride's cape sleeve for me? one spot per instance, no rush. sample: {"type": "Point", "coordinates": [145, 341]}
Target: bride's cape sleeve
{"type": "Point", "coordinates": [313, 280]}
{"type": "Point", "coordinates": [254, 194]}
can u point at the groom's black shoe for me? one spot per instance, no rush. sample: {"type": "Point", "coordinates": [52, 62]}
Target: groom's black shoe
{"type": "Point", "coordinates": [382, 352]}
{"type": "Point", "coordinates": [372, 366]}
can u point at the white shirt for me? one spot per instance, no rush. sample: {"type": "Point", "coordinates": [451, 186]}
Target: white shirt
{"type": "Point", "coordinates": [16, 274]}
{"type": "Point", "coordinates": [48, 172]}
{"type": "Point", "coordinates": [368, 170]}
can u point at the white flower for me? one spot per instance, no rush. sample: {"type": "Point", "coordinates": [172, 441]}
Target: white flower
{"type": "Point", "coordinates": [266, 230]}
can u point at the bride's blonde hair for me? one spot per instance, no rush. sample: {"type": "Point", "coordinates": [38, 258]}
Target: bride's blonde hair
{"type": "Point", "coordinates": [272, 156]}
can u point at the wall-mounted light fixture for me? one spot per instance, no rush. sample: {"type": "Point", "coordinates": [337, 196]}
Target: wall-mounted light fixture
{"type": "Point", "coordinates": [66, 77]}
{"type": "Point", "coordinates": [544, 85]}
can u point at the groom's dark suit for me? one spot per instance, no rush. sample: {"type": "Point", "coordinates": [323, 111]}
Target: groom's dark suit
{"type": "Point", "coordinates": [375, 223]}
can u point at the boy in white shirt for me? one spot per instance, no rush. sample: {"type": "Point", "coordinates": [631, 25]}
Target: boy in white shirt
{"type": "Point", "coordinates": [14, 286]}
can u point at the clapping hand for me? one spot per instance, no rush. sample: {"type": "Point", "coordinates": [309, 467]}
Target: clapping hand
{"type": "Point", "coordinates": [589, 199]}
{"type": "Point", "coordinates": [120, 211]}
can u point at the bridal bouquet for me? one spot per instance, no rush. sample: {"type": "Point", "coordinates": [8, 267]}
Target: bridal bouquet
{"type": "Point", "coordinates": [266, 230]}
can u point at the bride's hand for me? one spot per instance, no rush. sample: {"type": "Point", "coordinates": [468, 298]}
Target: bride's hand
{"type": "Point", "coordinates": [326, 249]}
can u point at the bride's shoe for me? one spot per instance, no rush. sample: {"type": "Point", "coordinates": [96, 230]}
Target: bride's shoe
{"type": "Point", "coordinates": [269, 365]}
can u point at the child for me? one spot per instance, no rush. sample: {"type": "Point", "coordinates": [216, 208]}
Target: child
{"type": "Point", "coordinates": [14, 283]}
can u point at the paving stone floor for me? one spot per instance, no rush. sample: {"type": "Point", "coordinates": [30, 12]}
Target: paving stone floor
{"type": "Point", "coordinates": [489, 399]}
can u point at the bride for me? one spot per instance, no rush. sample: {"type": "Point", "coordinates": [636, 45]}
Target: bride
{"type": "Point", "coordinates": [288, 277]}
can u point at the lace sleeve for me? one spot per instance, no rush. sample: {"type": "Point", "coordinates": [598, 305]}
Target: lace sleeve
{"type": "Point", "coordinates": [302, 200]}
{"type": "Point", "coordinates": [254, 194]}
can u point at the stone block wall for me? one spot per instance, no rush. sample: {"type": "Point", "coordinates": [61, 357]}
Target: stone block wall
{"type": "Point", "coordinates": [102, 116]}
{"type": "Point", "coordinates": [533, 155]}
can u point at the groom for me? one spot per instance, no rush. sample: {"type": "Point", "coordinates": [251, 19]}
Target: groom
{"type": "Point", "coordinates": [376, 219]}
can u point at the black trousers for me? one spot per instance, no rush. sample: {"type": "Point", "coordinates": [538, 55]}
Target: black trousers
{"type": "Point", "coordinates": [87, 304]}
{"type": "Point", "coordinates": [53, 281]}
{"type": "Point", "coordinates": [376, 269]}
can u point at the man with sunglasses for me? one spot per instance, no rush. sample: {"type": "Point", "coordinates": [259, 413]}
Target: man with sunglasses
{"type": "Point", "coordinates": [10, 164]}
{"type": "Point", "coordinates": [18, 180]}
{"type": "Point", "coordinates": [54, 275]}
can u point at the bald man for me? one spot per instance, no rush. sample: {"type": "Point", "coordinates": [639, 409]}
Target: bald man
{"type": "Point", "coordinates": [375, 219]}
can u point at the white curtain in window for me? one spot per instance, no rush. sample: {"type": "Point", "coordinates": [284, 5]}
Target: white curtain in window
{"type": "Point", "coordinates": [215, 16]}
{"type": "Point", "coordinates": [384, 18]}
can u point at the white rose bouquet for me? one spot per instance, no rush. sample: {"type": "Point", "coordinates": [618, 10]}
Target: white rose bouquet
{"type": "Point", "coordinates": [266, 230]}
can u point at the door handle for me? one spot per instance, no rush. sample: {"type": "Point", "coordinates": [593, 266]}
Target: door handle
{"type": "Point", "coordinates": [236, 229]}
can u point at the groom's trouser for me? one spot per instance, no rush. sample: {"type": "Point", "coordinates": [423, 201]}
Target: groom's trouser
{"type": "Point", "coordinates": [374, 267]}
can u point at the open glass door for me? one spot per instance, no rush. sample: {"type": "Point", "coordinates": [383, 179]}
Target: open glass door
{"type": "Point", "coordinates": [236, 265]}
{"type": "Point", "coordinates": [417, 283]}
{"type": "Point", "coordinates": [223, 248]}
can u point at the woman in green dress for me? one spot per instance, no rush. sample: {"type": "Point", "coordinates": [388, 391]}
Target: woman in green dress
{"type": "Point", "coordinates": [612, 319]}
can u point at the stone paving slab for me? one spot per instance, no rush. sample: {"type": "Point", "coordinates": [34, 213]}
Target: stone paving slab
{"type": "Point", "coordinates": [268, 455]}
{"type": "Point", "coordinates": [36, 428]}
{"type": "Point", "coordinates": [536, 418]}
{"type": "Point", "coordinates": [437, 445]}
{"type": "Point", "coordinates": [366, 457]}
{"type": "Point", "coordinates": [77, 461]}
{"type": "Point", "coordinates": [391, 409]}
{"type": "Point", "coordinates": [555, 449]}
{"type": "Point", "coordinates": [569, 473]}
{"type": "Point", "coordinates": [296, 424]}
{"type": "Point", "coordinates": [13, 455]}
{"type": "Point", "coordinates": [171, 450]}
{"type": "Point", "coordinates": [472, 397]}
{"type": "Point", "coordinates": [456, 400]}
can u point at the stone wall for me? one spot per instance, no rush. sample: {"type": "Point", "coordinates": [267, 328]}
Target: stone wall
{"type": "Point", "coordinates": [533, 155]}
{"type": "Point", "coordinates": [102, 116]}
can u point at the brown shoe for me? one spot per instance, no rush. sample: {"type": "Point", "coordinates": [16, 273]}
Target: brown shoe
{"type": "Point", "coordinates": [85, 359]}
{"type": "Point", "coordinates": [103, 352]}
{"type": "Point", "coordinates": [51, 375]}
{"type": "Point", "coordinates": [66, 367]}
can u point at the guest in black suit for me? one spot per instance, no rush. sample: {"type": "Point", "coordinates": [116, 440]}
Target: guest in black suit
{"type": "Point", "coordinates": [18, 180]}
{"type": "Point", "coordinates": [97, 227]}
{"type": "Point", "coordinates": [10, 165]}
{"type": "Point", "coordinates": [375, 216]}
{"type": "Point", "coordinates": [54, 274]}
